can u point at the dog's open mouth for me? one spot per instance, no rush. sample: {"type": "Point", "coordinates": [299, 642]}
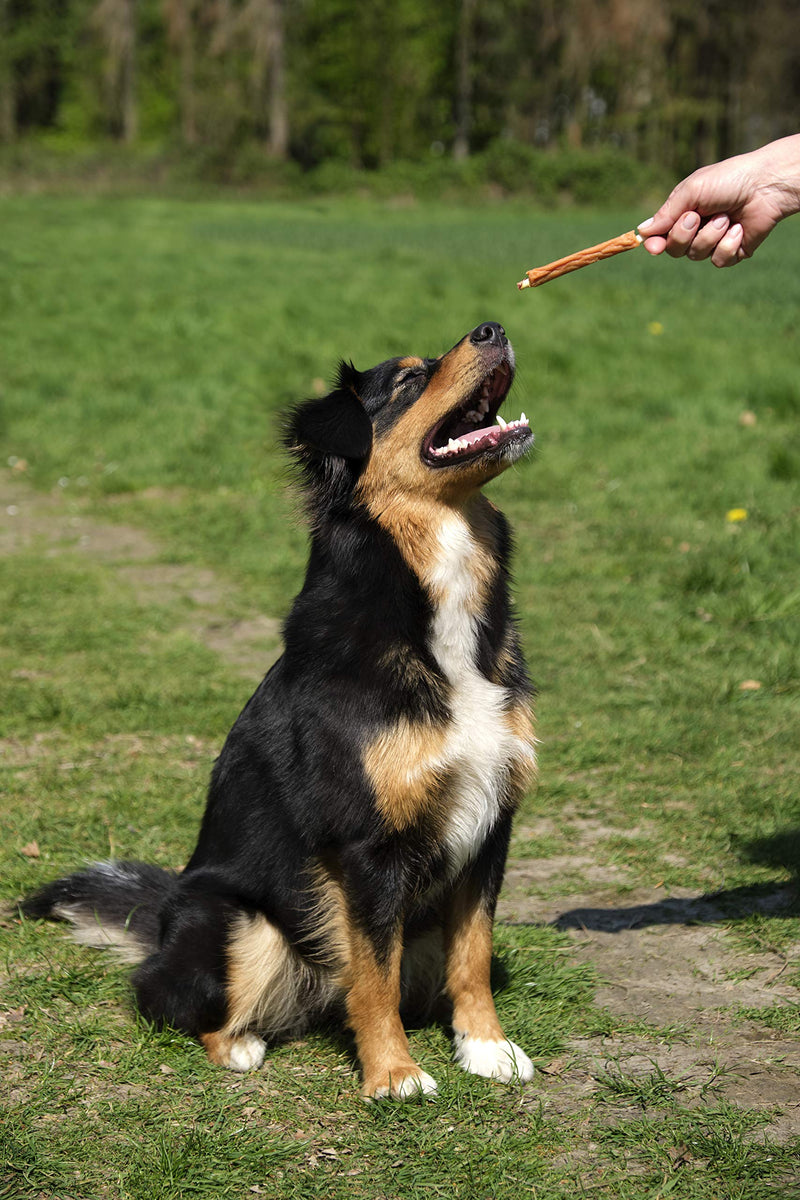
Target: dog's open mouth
{"type": "Point", "coordinates": [476, 426]}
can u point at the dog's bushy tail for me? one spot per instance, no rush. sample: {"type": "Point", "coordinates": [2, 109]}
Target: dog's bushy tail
{"type": "Point", "coordinates": [112, 905]}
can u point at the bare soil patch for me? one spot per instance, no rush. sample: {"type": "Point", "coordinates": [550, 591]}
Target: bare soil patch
{"type": "Point", "coordinates": [60, 523]}
{"type": "Point", "coordinates": [670, 965]}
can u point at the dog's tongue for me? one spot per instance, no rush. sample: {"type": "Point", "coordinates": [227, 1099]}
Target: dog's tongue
{"type": "Point", "coordinates": [492, 433]}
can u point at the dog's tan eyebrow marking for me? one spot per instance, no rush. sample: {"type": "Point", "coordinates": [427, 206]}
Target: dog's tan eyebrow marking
{"type": "Point", "coordinates": [406, 369]}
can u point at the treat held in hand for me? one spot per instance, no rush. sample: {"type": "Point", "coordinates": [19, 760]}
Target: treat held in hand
{"type": "Point", "coordinates": [581, 258]}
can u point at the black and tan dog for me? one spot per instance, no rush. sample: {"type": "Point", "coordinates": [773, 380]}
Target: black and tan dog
{"type": "Point", "coordinates": [358, 817]}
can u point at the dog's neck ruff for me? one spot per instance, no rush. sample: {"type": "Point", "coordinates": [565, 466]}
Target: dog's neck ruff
{"type": "Point", "coordinates": [480, 745]}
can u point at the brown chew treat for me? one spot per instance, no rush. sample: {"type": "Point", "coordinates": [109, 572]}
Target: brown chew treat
{"type": "Point", "coordinates": [582, 258]}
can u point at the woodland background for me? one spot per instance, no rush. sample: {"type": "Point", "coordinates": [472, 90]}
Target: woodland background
{"type": "Point", "coordinates": [296, 91]}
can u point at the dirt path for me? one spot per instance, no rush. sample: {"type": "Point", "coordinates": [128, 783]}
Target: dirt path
{"type": "Point", "coordinates": [667, 963]}
{"type": "Point", "coordinates": [671, 965]}
{"type": "Point", "coordinates": [58, 524]}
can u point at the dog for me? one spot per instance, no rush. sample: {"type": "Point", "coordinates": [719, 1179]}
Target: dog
{"type": "Point", "coordinates": [358, 817]}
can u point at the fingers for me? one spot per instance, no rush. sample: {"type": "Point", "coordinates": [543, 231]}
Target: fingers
{"type": "Point", "coordinates": [655, 245]}
{"type": "Point", "coordinates": [708, 237]}
{"type": "Point", "coordinates": [729, 250]}
{"type": "Point", "coordinates": [676, 239]}
{"type": "Point", "coordinates": [682, 234]}
{"type": "Point", "coordinates": [654, 241]}
{"type": "Point", "coordinates": [693, 238]}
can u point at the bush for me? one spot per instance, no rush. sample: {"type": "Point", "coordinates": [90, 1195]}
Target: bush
{"type": "Point", "coordinates": [592, 176]}
{"type": "Point", "coordinates": [602, 176]}
{"type": "Point", "coordinates": [515, 167]}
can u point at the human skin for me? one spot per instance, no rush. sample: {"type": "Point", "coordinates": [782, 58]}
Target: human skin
{"type": "Point", "coordinates": [725, 211]}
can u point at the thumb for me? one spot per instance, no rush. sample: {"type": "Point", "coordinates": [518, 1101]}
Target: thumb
{"type": "Point", "coordinates": [694, 194]}
{"type": "Point", "coordinates": [670, 212]}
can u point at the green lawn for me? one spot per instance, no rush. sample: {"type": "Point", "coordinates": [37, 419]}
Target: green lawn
{"type": "Point", "coordinates": [147, 350]}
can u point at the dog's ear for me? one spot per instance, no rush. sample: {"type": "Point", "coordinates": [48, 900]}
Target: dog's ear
{"type": "Point", "coordinates": [336, 425]}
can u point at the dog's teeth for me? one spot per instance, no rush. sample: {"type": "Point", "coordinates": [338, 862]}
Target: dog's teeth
{"type": "Point", "coordinates": [459, 445]}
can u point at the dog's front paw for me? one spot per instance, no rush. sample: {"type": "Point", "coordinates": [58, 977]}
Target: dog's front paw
{"type": "Point", "coordinates": [501, 1060]}
{"type": "Point", "coordinates": [411, 1085]}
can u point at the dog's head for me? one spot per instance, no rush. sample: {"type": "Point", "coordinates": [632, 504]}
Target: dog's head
{"type": "Point", "coordinates": [416, 426]}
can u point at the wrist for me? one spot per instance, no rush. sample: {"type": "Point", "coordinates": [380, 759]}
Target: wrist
{"type": "Point", "coordinates": [778, 166]}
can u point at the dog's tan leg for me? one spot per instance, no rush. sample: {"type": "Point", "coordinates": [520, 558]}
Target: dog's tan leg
{"type": "Point", "coordinates": [481, 1047]}
{"type": "Point", "coordinates": [373, 1002]}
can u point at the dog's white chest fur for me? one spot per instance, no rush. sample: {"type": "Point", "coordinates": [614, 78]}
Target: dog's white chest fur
{"type": "Point", "coordinates": [480, 744]}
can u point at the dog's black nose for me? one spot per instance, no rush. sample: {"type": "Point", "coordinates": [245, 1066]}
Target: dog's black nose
{"type": "Point", "coordinates": [490, 332]}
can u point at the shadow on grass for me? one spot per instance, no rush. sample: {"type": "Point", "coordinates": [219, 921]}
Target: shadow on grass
{"type": "Point", "coordinates": [779, 899]}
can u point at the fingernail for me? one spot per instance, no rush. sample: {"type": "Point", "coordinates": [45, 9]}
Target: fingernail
{"type": "Point", "coordinates": [690, 220]}
{"type": "Point", "coordinates": [645, 224]}
{"type": "Point", "coordinates": [720, 222]}
{"type": "Point", "coordinates": [735, 231]}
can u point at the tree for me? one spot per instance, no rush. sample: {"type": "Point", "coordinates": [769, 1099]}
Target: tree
{"type": "Point", "coordinates": [181, 17]}
{"type": "Point", "coordinates": [262, 22]}
{"type": "Point", "coordinates": [115, 22]}
{"type": "Point", "coordinates": [669, 81]}
{"type": "Point", "coordinates": [8, 120]}
{"type": "Point", "coordinates": [463, 103]}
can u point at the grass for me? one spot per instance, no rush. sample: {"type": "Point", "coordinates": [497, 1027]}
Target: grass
{"type": "Point", "coordinates": [147, 351]}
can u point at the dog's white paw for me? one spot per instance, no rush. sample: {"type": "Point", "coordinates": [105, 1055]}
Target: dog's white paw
{"type": "Point", "coordinates": [406, 1087]}
{"type": "Point", "coordinates": [246, 1053]}
{"type": "Point", "coordinates": [502, 1060]}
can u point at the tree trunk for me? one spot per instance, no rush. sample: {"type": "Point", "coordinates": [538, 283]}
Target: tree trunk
{"type": "Point", "coordinates": [188, 101]}
{"type": "Point", "coordinates": [464, 81]}
{"type": "Point", "coordinates": [262, 23]}
{"type": "Point", "coordinates": [278, 109]}
{"type": "Point", "coordinates": [115, 22]}
{"type": "Point", "coordinates": [8, 122]}
{"type": "Point", "coordinates": [180, 16]}
{"type": "Point", "coordinates": [127, 80]}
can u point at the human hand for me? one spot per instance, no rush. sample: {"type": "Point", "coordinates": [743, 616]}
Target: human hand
{"type": "Point", "coordinates": [726, 210]}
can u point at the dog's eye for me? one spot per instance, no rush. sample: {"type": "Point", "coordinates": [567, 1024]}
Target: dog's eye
{"type": "Point", "coordinates": [410, 375]}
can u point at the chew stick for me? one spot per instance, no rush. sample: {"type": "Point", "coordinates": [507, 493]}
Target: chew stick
{"type": "Point", "coordinates": [582, 258]}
